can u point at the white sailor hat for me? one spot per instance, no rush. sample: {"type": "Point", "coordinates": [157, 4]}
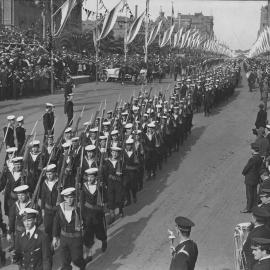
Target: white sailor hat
{"type": "Point", "coordinates": [11, 149]}
{"type": "Point", "coordinates": [67, 130]}
{"type": "Point", "coordinates": [68, 191]}
{"type": "Point", "coordinates": [106, 123]}
{"type": "Point", "coordinates": [19, 118]}
{"type": "Point", "coordinates": [90, 147]}
{"type": "Point", "coordinates": [28, 213]}
{"type": "Point", "coordinates": [124, 113]}
{"type": "Point", "coordinates": [164, 117]}
{"type": "Point", "coordinates": [145, 114]}
{"type": "Point", "coordinates": [91, 171]}
{"type": "Point", "coordinates": [17, 160]}
{"type": "Point", "coordinates": [10, 117]}
{"type": "Point", "coordinates": [35, 142]}
{"type": "Point", "coordinates": [159, 106]}
{"type": "Point", "coordinates": [135, 108]}
{"type": "Point", "coordinates": [95, 129]}
{"type": "Point", "coordinates": [138, 131]}
{"type": "Point", "coordinates": [49, 104]}
{"type": "Point", "coordinates": [66, 144]}
{"type": "Point", "coordinates": [129, 141]}
{"type": "Point", "coordinates": [103, 137]}
{"type": "Point", "coordinates": [268, 126]}
{"type": "Point", "coordinates": [50, 167]}
{"type": "Point", "coordinates": [128, 126]}
{"type": "Point", "coordinates": [21, 189]}
{"type": "Point", "coordinates": [115, 148]}
{"type": "Point", "coordinates": [114, 132]}
{"type": "Point", "coordinates": [86, 123]}
{"type": "Point", "coordinates": [151, 125]}
{"type": "Point", "coordinates": [70, 94]}
{"type": "Point", "coordinates": [75, 139]}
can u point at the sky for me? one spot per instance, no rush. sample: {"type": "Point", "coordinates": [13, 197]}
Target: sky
{"type": "Point", "coordinates": [235, 22]}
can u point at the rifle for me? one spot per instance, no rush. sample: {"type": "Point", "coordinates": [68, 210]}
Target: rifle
{"type": "Point", "coordinates": [27, 139]}
{"type": "Point", "coordinates": [3, 142]}
{"type": "Point", "coordinates": [78, 121]}
{"type": "Point", "coordinates": [78, 217]}
{"type": "Point", "coordinates": [37, 188]}
{"type": "Point", "coordinates": [61, 175]}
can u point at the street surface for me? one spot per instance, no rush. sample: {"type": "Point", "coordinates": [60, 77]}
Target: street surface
{"type": "Point", "coordinates": [203, 181]}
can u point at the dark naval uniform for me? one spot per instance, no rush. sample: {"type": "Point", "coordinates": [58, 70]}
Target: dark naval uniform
{"type": "Point", "coordinates": [20, 134]}
{"type": "Point", "coordinates": [48, 121]}
{"type": "Point", "coordinates": [263, 264]}
{"type": "Point", "coordinates": [185, 256]}
{"type": "Point", "coordinates": [33, 253]}
{"type": "Point", "coordinates": [10, 136]}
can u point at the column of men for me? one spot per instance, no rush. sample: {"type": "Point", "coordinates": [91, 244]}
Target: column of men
{"type": "Point", "coordinates": [68, 183]}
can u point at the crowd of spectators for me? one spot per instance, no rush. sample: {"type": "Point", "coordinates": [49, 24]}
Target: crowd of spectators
{"type": "Point", "coordinates": [25, 64]}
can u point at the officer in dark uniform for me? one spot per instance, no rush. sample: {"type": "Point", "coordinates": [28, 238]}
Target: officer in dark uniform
{"type": "Point", "coordinates": [68, 90]}
{"type": "Point", "coordinates": [68, 232]}
{"type": "Point", "coordinates": [186, 253]}
{"type": "Point", "coordinates": [20, 133]}
{"type": "Point", "coordinates": [9, 131]}
{"type": "Point", "coordinates": [261, 252]}
{"type": "Point", "coordinates": [260, 229]}
{"type": "Point", "coordinates": [69, 109]}
{"type": "Point", "coordinates": [48, 120]}
{"type": "Point", "coordinates": [32, 247]}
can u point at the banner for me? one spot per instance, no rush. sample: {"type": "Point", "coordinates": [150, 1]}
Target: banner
{"type": "Point", "coordinates": [109, 21]}
{"type": "Point", "coordinates": [154, 33]}
{"type": "Point", "coordinates": [62, 15]}
{"type": "Point", "coordinates": [167, 36]}
{"type": "Point", "coordinates": [135, 28]}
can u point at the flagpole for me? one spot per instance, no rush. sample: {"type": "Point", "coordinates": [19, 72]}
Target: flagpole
{"type": "Point", "coordinates": [97, 43]}
{"type": "Point", "coordinates": [146, 31]}
{"type": "Point", "coordinates": [125, 39]}
{"type": "Point", "coordinates": [52, 66]}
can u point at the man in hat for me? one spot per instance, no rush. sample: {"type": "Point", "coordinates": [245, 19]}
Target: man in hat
{"type": "Point", "coordinates": [49, 195]}
{"type": "Point", "coordinates": [9, 131]}
{"type": "Point", "coordinates": [89, 160]}
{"type": "Point", "coordinates": [261, 252]}
{"type": "Point", "coordinates": [69, 109]}
{"type": "Point", "coordinates": [130, 171]}
{"type": "Point", "coordinates": [32, 247]}
{"type": "Point", "coordinates": [261, 118]}
{"type": "Point", "coordinates": [15, 219]}
{"type": "Point", "coordinates": [51, 151]}
{"type": "Point", "coordinates": [113, 179]}
{"type": "Point", "coordinates": [67, 230]}
{"type": "Point", "coordinates": [10, 180]}
{"type": "Point", "coordinates": [48, 120]}
{"type": "Point", "coordinates": [186, 253]}
{"type": "Point", "coordinates": [258, 229]}
{"type": "Point", "coordinates": [20, 133]}
{"type": "Point", "coordinates": [93, 214]}
{"type": "Point", "coordinates": [68, 90]}
{"type": "Point", "coordinates": [251, 173]}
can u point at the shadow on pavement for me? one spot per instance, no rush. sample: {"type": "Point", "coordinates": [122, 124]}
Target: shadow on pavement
{"type": "Point", "coordinates": [121, 243]}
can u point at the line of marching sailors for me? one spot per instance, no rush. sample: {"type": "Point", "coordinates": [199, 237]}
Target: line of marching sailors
{"type": "Point", "coordinates": [65, 184]}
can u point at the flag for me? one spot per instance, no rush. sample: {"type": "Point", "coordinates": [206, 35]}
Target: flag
{"type": "Point", "coordinates": [61, 15]}
{"type": "Point", "coordinates": [167, 36]}
{"type": "Point", "coordinates": [172, 19]}
{"type": "Point", "coordinates": [135, 28]}
{"type": "Point", "coordinates": [177, 37]}
{"type": "Point", "coordinates": [109, 21]}
{"type": "Point", "coordinates": [154, 33]}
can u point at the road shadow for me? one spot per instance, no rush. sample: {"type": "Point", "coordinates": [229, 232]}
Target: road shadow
{"type": "Point", "coordinates": [122, 242]}
{"type": "Point", "coordinates": [120, 245]}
